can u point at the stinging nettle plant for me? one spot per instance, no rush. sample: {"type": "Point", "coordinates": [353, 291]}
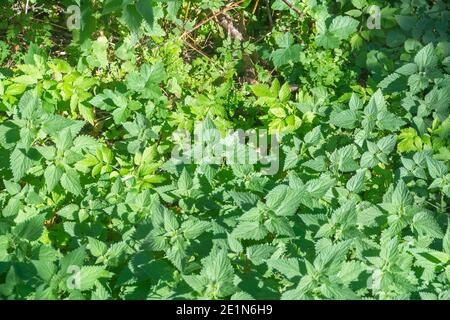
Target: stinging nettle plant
{"type": "Point", "coordinates": [153, 154]}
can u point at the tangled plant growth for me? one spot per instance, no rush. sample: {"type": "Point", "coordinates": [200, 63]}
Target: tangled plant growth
{"type": "Point", "coordinates": [94, 206]}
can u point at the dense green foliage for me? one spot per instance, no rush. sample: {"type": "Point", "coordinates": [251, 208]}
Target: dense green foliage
{"type": "Point", "coordinates": [94, 207]}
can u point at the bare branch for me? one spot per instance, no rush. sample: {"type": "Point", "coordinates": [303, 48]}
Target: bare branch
{"type": "Point", "coordinates": [269, 14]}
{"type": "Point", "coordinates": [225, 9]}
{"type": "Point", "coordinates": [226, 22]}
{"type": "Point", "coordinates": [290, 5]}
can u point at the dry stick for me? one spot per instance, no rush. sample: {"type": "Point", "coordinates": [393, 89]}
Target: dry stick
{"type": "Point", "coordinates": [192, 46]}
{"type": "Point", "coordinates": [226, 22]}
{"type": "Point", "coordinates": [225, 9]}
{"type": "Point", "coordinates": [187, 10]}
{"type": "Point", "coordinates": [269, 14]}
{"type": "Point", "coordinates": [205, 43]}
{"type": "Point", "coordinates": [255, 7]}
{"type": "Point", "coordinates": [50, 23]}
{"type": "Point", "coordinates": [215, 15]}
{"type": "Point", "coordinates": [253, 11]}
{"type": "Point", "coordinates": [293, 8]}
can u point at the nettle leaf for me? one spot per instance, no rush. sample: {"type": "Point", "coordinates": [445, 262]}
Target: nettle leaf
{"type": "Point", "coordinates": [70, 181]}
{"type": "Point", "coordinates": [285, 92]}
{"type": "Point", "coordinates": [96, 202]}
{"type": "Point", "coordinates": [340, 29]}
{"type": "Point", "coordinates": [170, 221]}
{"type": "Point", "coordinates": [356, 183]}
{"type": "Point", "coordinates": [9, 134]}
{"type": "Point", "coordinates": [217, 269]}
{"type": "Point", "coordinates": [87, 113]}
{"type": "Point", "coordinates": [343, 159]}
{"type": "Point", "coordinates": [437, 169]}
{"type": "Point", "coordinates": [101, 293]}
{"type": "Point", "coordinates": [283, 200]}
{"type": "Point", "coordinates": [425, 223]}
{"type": "Point", "coordinates": [88, 276]}
{"type": "Point", "coordinates": [185, 182]}
{"type": "Point", "coordinates": [446, 240]}
{"type": "Point", "coordinates": [245, 200]}
{"type": "Point", "coordinates": [145, 8]}
{"type": "Point", "coordinates": [30, 106]}
{"type": "Point", "coordinates": [344, 119]}
{"type": "Point", "coordinates": [417, 83]}
{"type": "Point", "coordinates": [48, 152]}
{"type": "Point", "coordinates": [249, 230]}
{"type": "Point", "coordinates": [401, 195]}
{"type": "Point", "coordinates": [288, 267]}
{"type": "Point", "coordinates": [332, 256]}
{"type": "Point", "coordinates": [192, 229]}
{"type": "Point", "coordinates": [280, 226]}
{"type": "Point", "coordinates": [73, 258]}
{"type": "Point", "coordinates": [262, 90]}
{"type": "Point", "coordinates": [30, 229]}
{"type": "Point", "coordinates": [376, 103]}
{"type": "Point", "coordinates": [52, 176]}
{"type": "Point", "coordinates": [85, 143]}
{"type": "Point", "coordinates": [120, 115]}
{"type": "Point", "coordinates": [12, 208]}
{"type": "Point", "coordinates": [12, 187]}
{"type": "Point", "coordinates": [350, 271]}
{"type": "Point", "coordinates": [64, 140]}
{"type": "Point", "coordinates": [328, 40]}
{"type": "Point", "coordinates": [99, 57]}
{"type": "Point", "coordinates": [96, 247]}
{"type": "Point", "coordinates": [288, 51]}
{"type": "Point", "coordinates": [426, 58]}
{"type": "Point", "coordinates": [112, 6]}
{"type": "Point", "coordinates": [387, 144]}
{"type": "Point", "coordinates": [342, 26]}
{"type": "Point", "coordinates": [258, 254]}
{"type": "Point", "coordinates": [55, 123]}
{"type": "Point", "coordinates": [409, 140]}
{"type": "Point", "coordinates": [21, 161]}
{"type": "Point", "coordinates": [287, 55]}
{"type": "Point", "coordinates": [389, 121]}
{"type": "Point", "coordinates": [45, 269]}
{"type": "Point", "coordinates": [319, 187]}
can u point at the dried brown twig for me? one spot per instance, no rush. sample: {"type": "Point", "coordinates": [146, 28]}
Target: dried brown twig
{"type": "Point", "coordinates": [290, 5]}
{"type": "Point", "coordinates": [226, 22]}
{"type": "Point", "coordinates": [224, 10]}
{"type": "Point", "coordinates": [236, 30]}
{"type": "Point", "coordinates": [269, 14]}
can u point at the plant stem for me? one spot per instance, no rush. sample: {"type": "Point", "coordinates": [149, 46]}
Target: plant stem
{"type": "Point", "coordinates": [290, 5]}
